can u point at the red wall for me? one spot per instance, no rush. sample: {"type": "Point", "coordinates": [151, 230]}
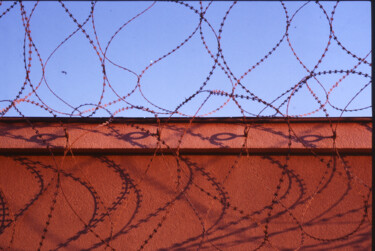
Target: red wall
{"type": "Point", "coordinates": [213, 201]}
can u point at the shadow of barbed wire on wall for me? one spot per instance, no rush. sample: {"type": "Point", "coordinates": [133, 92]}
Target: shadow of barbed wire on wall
{"type": "Point", "coordinates": [171, 179]}
{"type": "Point", "coordinates": [228, 221]}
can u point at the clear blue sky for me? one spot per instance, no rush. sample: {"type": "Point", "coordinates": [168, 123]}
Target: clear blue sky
{"type": "Point", "coordinates": [250, 31]}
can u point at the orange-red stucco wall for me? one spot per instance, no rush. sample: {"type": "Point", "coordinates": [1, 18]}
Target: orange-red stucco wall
{"type": "Point", "coordinates": [208, 201]}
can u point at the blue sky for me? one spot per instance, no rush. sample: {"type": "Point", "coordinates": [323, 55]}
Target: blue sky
{"type": "Point", "coordinates": [250, 31]}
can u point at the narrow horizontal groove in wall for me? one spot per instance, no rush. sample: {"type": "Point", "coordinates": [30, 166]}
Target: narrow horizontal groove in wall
{"type": "Point", "coordinates": [214, 151]}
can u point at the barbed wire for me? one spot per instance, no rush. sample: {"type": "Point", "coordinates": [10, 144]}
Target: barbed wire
{"type": "Point", "coordinates": [208, 99]}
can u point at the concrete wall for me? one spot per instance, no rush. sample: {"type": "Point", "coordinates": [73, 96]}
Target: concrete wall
{"type": "Point", "coordinates": [130, 185]}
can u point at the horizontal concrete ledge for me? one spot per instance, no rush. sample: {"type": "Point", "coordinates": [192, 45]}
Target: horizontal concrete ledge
{"type": "Point", "coordinates": [133, 136]}
{"type": "Point", "coordinates": [138, 120]}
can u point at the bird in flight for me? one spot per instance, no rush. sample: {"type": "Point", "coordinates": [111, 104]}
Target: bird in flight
{"type": "Point", "coordinates": [64, 72]}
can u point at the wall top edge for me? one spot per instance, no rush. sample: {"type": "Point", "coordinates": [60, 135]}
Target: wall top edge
{"type": "Point", "coordinates": [224, 120]}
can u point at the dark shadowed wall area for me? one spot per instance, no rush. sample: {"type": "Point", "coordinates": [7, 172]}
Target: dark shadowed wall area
{"type": "Point", "coordinates": [213, 184]}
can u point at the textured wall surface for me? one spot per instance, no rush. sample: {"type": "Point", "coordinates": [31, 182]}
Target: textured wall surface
{"type": "Point", "coordinates": [155, 200]}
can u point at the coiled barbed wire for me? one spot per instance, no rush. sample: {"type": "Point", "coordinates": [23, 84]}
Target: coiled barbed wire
{"type": "Point", "coordinates": [222, 90]}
